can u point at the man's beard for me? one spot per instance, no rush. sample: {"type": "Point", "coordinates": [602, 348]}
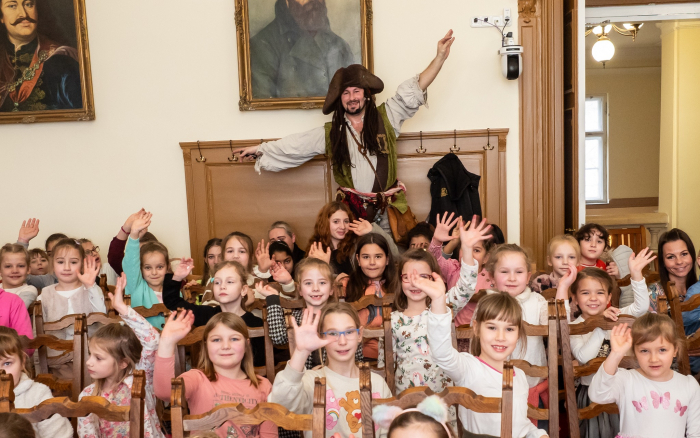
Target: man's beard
{"type": "Point", "coordinates": [359, 109]}
{"type": "Point", "coordinates": [312, 17]}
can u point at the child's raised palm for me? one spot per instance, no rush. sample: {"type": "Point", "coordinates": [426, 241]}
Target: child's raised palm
{"type": "Point", "coordinates": [177, 326]}
{"type": "Point", "coordinates": [443, 227]}
{"type": "Point", "coordinates": [265, 289]}
{"type": "Point", "coordinates": [262, 255]}
{"type": "Point", "coordinates": [471, 234]}
{"type": "Point", "coordinates": [360, 227]}
{"type": "Point", "coordinates": [90, 271]}
{"type": "Point", "coordinates": [621, 339]}
{"type": "Point", "coordinates": [183, 269]}
{"type": "Point", "coordinates": [306, 334]}
{"type": "Point", "coordinates": [434, 288]}
{"type": "Point", "coordinates": [118, 296]}
{"type": "Point", "coordinates": [28, 230]}
{"type": "Point", "coordinates": [316, 251]}
{"type": "Point", "coordinates": [638, 262]}
{"type": "Point", "coordinates": [141, 223]}
{"type": "Point", "coordinates": [280, 274]}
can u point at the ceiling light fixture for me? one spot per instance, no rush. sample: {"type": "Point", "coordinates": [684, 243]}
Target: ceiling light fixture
{"type": "Point", "coordinates": [603, 50]}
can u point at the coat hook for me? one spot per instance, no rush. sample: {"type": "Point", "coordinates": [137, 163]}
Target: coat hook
{"type": "Point", "coordinates": [421, 150]}
{"type": "Point", "coordinates": [454, 148]}
{"type": "Point", "coordinates": [201, 158]}
{"type": "Point", "coordinates": [233, 157]}
{"type": "Point", "coordinates": [488, 146]}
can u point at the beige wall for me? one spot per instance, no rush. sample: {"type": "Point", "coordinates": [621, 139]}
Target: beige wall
{"type": "Point", "coordinates": [634, 107]}
{"type": "Point", "coordinates": [680, 130]}
{"type": "Point", "coordinates": [168, 73]}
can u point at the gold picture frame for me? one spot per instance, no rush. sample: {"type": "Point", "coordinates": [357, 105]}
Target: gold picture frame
{"type": "Point", "coordinates": [249, 102]}
{"type": "Point", "coordinates": [63, 46]}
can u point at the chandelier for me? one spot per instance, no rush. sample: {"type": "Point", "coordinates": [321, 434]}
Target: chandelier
{"type": "Point", "coordinates": [603, 50]}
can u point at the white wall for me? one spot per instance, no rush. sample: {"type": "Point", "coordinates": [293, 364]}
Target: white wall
{"type": "Point", "coordinates": [166, 72]}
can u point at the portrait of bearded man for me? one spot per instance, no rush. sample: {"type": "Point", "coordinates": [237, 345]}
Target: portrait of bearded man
{"type": "Point", "coordinates": [297, 53]}
{"type": "Point", "coordinates": [37, 72]}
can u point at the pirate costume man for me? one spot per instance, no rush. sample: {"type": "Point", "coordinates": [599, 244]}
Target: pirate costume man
{"type": "Point", "coordinates": [364, 162]}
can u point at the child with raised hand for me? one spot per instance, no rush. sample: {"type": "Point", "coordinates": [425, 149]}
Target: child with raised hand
{"type": "Point", "coordinates": [271, 257]}
{"type": "Point", "coordinates": [562, 252]}
{"type": "Point", "coordinates": [145, 268]}
{"type": "Point", "coordinates": [591, 291]}
{"type": "Point", "coordinates": [29, 393]}
{"type": "Point", "coordinates": [315, 286]}
{"type": "Point", "coordinates": [225, 373]}
{"type": "Point", "coordinates": [14, 269]}
{"type": "Point", "coordinates": [593, 240]}
{"type": "Point", "coordinates": [414, 364]}
{"type": "Point", "coordinates": [28, 231]}
{"type": "Point", "coordinates": [116, 350]}
{"type": "Point", "coordinates": [497, 329]}
{"type": "Point", "coordinates": [230, 290]}
{"type": "Point", "coordinates": [337, 329]}
{"type": "Point", "coordinates": [75, 292]}
{"type": "Point", "coordinates": [653, 400]}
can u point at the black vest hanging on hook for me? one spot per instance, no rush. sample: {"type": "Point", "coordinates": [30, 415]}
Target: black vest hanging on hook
{"type": "Point", "coordinates": [453, 189]}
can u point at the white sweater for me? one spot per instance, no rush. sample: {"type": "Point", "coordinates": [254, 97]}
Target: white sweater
{"type": "Point", "coordinates": [27, 292]}
{"type": "Point", "coordinates": [470, 372]}
{"type": "Point", "coordinates": [28, 394]}
{"type": "Point", "coordinates": [586, 347]}
{"type": "Point", "coordinates": [650, 409]}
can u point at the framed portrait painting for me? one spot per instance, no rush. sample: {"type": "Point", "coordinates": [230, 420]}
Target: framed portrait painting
{"type": "Point", "coordinates": [44, 62]}
{"type": "Point", "coordinates": [288, 50]}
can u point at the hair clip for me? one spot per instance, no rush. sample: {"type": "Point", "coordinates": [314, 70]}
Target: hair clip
{"type": "Point", "coordinates": [433, 406]}
{"type": "Point", "coordinates": [121, 323]}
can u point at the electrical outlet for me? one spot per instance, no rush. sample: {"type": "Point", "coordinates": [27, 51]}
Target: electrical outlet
{"type": "Point", "coordinates": [475, 22]}
{"type": "Point", "coordinates": [506, 15]}
{"type": "Point", "coordinates": [484, 20]}
{"type": "Point", "coordinates": [496, 20]}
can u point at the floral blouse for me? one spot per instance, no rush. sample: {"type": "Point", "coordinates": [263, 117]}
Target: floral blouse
{"type": "Point", "coordinates": [93, 427]}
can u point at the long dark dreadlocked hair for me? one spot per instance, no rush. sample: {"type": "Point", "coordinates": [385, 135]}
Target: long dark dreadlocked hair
{"type": "Point", "coordinates": [339, 136]}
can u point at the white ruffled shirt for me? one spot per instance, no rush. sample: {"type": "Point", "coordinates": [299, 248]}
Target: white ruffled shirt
{"type": "Point", "coordinates": [296, 149]}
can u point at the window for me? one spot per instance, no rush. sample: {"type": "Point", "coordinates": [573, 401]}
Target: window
{"type": "Point", "coordinates": [596, 152]}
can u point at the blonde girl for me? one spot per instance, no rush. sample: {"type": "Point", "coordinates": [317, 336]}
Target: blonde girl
{"type": "Point", "coordinates": [230, 290]}
{"type": "Point", "coordinates": [14, 269]}
{"type": "Point", "coordinates": [562, 252]}
{"type": "Point", "coordinates": [225, 373]}
{"type": "Point", "coordinates": [29, 393]}
{"type": "Point", "coordinates": [337, 329]}
{"type": "Point", "coordinates": [591, 291]}
{"type": "Point", "coordinates": [315, 286]}
{"type": "Point", "coordinates": [145, 268]}
{"type": "Point", "coordinates": [497, 330]}
{"type": "Point", "coordinates": [653, 400]}
{"type": "Point", "coordinates": [116, 350]}
{"type": "Point", "coordinates": [75, 292]}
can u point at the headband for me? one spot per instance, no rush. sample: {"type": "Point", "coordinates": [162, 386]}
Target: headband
{"type": "Point", "coordinates": [433, 406]}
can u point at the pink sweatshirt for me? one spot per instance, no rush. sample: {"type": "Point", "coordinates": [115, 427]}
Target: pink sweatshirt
{"type": "Point", "coordinates": [13, 314]}
{"type": "Point", "coordinates": [203, 396]}
{"type": "Point", "coordinates": [450, 273]}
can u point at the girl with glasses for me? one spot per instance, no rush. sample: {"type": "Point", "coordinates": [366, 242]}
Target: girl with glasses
{"type": "Point", "coordinates": [337, 329]}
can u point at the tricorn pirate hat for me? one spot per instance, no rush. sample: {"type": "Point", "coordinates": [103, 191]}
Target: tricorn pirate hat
{"type": "Point", "coordinates": [354, 75]}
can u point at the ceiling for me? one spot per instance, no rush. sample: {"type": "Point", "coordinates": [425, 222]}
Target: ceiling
{"type": "Point", "coordinates": [644, 51]}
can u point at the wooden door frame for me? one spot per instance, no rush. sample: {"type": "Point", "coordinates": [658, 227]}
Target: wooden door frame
{"type": "Point", "coordinates": [542, 130]}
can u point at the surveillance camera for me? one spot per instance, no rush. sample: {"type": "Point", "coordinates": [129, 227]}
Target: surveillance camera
{"type": "Point", "coordinates": [511, 58]}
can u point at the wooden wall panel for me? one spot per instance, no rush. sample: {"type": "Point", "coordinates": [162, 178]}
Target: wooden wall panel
{"type": "Point", "coordinates": [225, 195]}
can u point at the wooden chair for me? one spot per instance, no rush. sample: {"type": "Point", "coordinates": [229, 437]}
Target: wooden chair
{"type": "Point", "coordinates": [635, 238]}
{"type": "Point", "coordinates": [452, 396]}
{"type": "Point", "coordinates": [384, 305]}
{"type": "Point", "coordinates": [182, 423]}
{"type": "Point", "coordinates": [572, 372]}
{"type": "Point", "coordinates": [549, 294]}
{"type": "Point", "coordinates": [549, 371]}
{"type": "Point", "coordinates": [134, 413]}
{"type": "Point", "coordinates": [672, 301]}
{"type": "Point", "coordinates": [77, 346]}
